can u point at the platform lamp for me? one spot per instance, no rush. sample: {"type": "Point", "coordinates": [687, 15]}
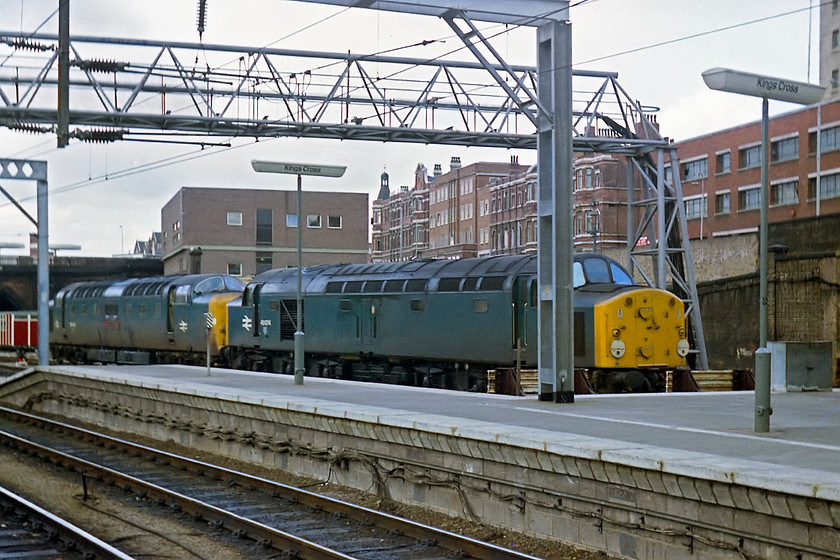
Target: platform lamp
{"type": "Point", "coordinates": [298, 169]}
{"type": "Point", "coordinates": [765, 87]}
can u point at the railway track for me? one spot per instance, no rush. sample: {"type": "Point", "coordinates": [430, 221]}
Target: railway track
{"type": "Point", "coordinates": [29, 531]}
{"type": "Point", "coordinates": [288, 520]}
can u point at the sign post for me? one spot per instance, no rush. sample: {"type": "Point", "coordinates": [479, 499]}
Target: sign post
{"type": "Point", "coordinates": [765, 87]}
{"type": "Point", "coordinates": [298, 169]}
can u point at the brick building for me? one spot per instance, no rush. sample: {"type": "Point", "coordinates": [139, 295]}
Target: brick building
{"type": "Point", "coordinates": [721, 173]}
{"type": "Point", "coordinates": [513, 215]}
{"type": "Point", "coordinates": [400, 223]}
{"type": "Point", "coordinates": [490, 208]}
{"type": "Point", "coordinates": [460, 208]}
{"type": "Point", "coordinates": [830, 47]}
{"type": "Point", "coordinates": [244, 231]}
{"type": "Point", "coordinates": [600, 202]}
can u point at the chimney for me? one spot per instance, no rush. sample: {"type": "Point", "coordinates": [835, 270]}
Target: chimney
{"type": "Point", "coordinates": [455, 163]}
{"type": "Point", "coordinates": [514, 160]}
{"type": "Point", "coordinates": [438, 171]}
{"type": "Point", "coordinates": [404, 188]}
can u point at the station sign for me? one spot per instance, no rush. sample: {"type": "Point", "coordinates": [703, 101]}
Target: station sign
{"type": "Point", "coordinates": [756, 85]}
{"type": "Point", "coordinates": [298, 168]}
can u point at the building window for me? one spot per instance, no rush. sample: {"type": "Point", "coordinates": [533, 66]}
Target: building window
{"type": "Point", "coordinates": [829, 140]}
{"type": "Point", "coordinates": [784, 150]}
{"type": "Point", "coordinates": [749, 199]}
{"type": "Point", "coordinates": [234, 269]}
{"type": "Point", "coordinates": [589, 178]}
{"type": "Point", "coordinates": [722, 162]}
{"type": "Point", "coordinates": [829, 186]}
{"type": "Point", "coordinates": [265, 226]}
{"type": "Point", "coordinates": [784, 193]}
{"type": "Point", "coordinates": [835, 38]}
{"type": "Point", "coordinates": [313, 221]}
{"type": "Point", "coordinates": [696, 208]}
{"type": "Point", "coordinates": [749, 157]}
{"type": "Point", "coordinates": [334, 222]}
{"type": "Point", "coordinates": [835, 79]}
{"type": "Point", "coordinates": [694, 170]}
{"type": "Point", "coordinates": [234, 218]}
{"type": "Point", "coordinates": [722, 203]}
{"type": "Point", "coordinates": [264, 262]}
{"type": "Point", "coordinates": [291, 220]}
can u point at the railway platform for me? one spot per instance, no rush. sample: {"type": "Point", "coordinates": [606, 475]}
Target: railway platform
{"type": "Point", "coordinates": [679, 475]}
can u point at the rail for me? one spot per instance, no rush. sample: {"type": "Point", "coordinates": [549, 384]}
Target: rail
{"type": "Point", "coordinates": [392, 531]}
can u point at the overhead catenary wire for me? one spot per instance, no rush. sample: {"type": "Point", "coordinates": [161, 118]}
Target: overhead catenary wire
{"type": "Point", "coordinates": [183, 158]}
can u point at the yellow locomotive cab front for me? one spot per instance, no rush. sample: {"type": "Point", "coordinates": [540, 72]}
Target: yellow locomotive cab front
{"type": "Point", "coordinates": [642, 329]}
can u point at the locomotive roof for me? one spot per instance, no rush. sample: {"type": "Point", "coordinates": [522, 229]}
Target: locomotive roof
{"type": "Point", "coordinates": [329, 278]}
{"type": "Point", "coordinates": [151, 285]}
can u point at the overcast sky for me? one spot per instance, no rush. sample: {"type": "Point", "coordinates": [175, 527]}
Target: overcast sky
{"type": "Point", "coordinates": [658, 47]}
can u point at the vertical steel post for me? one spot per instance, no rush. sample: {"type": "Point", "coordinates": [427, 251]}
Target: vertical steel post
{"type": "Point", "coordinates": [43, 277]}
{"type": "Point", "coordinates": [299, 360]}
{"type": "Point", "coordinates": [661, 234]}
{"type": "Point", "coordinates": [631, 216]}
{"type": "Point", "coordinates": [555, 262]}
{"type": "Point", "coordinates": [63, 109]}
{"type": "Point", "coordinates": [762, 355]}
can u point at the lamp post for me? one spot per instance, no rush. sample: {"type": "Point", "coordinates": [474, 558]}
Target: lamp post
{"type": "Point", "coordinates": [593, 217]}
{"type": "Point", "coordinates": [766, 88]}
{"type": "Point", "coordinates": [298, 169]}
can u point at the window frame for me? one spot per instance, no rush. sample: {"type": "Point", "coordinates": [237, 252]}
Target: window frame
{"type": "Point", "coordinates": [234, 214]}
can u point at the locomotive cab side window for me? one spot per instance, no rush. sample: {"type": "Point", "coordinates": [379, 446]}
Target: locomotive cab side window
{"type": "Point", "coordinates": [182, 295]}
{"type": "Point", "coordinates": [597, 271]}
{"type": "Point", "coordinates": [619, 276]}
{"type": "Point", "coordinates": [578, 278]}
{"type": "Point", "coordinates": [214, 284]}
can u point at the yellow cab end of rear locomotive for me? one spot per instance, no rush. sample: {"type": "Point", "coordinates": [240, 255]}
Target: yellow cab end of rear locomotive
{"type": "Point", "coordinates": [219, 332]}
{"type": "Point", "coordinates": [641, 329]}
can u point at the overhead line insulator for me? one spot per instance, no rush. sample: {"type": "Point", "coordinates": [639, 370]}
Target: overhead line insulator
{"type": "Point", "coordinates": [104, 66]}
{"type": "Point", "coordinates": [27, 45]}
{"type": "Point", "coordinates": [100, 136]}
{"type": "Point", "coordinates": [30, 127]}
{"type": "Point", "coordinates": [202, 17]}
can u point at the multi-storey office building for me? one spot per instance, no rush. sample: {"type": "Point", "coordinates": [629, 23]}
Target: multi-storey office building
{"type": "Point", "coordinates": [830, 47]}
{"type": "Point", "coordinates": [721, 172]}
{"type": "Point", "coordinates": [244, 231]}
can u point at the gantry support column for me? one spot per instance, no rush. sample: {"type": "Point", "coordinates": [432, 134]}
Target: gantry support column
{"type": "Point", "coordinates": [554, 265]}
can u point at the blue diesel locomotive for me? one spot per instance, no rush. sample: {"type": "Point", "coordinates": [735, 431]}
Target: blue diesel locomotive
{"type": "Point", "coordinates": [446, 323]}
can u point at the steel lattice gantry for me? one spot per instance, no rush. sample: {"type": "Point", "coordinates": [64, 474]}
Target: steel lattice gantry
{"type": "Point", "coordinates": [155, 92]}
